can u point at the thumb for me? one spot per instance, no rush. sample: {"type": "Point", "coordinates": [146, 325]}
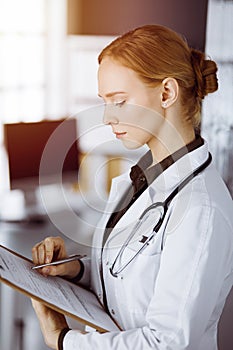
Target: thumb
{"type": "Point", "coordinates": [56, 270]}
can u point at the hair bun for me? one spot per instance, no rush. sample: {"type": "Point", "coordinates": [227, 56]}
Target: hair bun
{"type": "Point", "coordinates": [205, 73]}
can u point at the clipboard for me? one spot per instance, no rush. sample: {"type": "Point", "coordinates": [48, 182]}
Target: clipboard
{"type": "Point", "coordinates": [56, 292]}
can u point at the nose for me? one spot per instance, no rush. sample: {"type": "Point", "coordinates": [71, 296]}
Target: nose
{"type": "Point", "coordinates": [109, 116]}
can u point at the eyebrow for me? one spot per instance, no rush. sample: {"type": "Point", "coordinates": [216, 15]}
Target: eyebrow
{"type": "Point", "coordinates": [111, 94]}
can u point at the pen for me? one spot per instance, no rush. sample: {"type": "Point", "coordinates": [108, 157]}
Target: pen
{"type": "Point", "coordinates": [58, 262]}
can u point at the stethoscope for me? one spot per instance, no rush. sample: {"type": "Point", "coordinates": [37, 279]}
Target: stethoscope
{"type": "Point", "coordinates": [162, 208]}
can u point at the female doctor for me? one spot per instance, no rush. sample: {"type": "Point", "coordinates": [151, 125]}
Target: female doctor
{"type": "Point", "coordinates": [162, 256]}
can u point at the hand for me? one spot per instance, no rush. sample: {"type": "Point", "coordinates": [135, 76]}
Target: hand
{"type": "Point", "coordinates": [51, 323]}
{"type": "Point", "coordinates": [51, 249]}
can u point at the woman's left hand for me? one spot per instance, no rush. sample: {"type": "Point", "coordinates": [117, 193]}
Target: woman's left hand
{"type": "Point", "coordinates": [51, 323]}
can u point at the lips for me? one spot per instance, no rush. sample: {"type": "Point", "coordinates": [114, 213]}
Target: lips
{"type": "Point", "coordinates": [120, 134]}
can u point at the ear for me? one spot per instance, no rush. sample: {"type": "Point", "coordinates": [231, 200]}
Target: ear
{"type": "Point", "coordinates": [170, 92]}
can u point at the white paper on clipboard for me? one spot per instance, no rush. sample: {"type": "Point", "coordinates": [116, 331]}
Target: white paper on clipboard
{"type": "Point", "coordinates": [58, 293]}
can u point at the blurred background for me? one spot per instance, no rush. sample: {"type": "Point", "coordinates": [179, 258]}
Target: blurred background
{"type": "Point", "coordinates": [49, 49]}
{"type": "Point", "coordinates": [48, 71]}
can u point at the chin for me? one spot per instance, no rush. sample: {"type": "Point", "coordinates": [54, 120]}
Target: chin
{"type": "Point", "coordinates": [132, 144]}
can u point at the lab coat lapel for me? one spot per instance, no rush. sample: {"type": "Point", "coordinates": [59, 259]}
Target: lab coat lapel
{"type": "Point", "coordinates": [118, 188]}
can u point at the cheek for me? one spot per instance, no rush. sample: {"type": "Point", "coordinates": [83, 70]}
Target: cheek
{"type": "Point", "coordinates": [139, 132]}
{"type": "Point", "coordinates": [143, 122]}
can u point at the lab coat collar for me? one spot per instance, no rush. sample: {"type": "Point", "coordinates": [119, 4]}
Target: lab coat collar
{"type": "Point", "coordinates": [145, 168]}
{"type": "Point", "coordinates": [159, 189]}
{"type": "Point", "coordinates": [177, 172]}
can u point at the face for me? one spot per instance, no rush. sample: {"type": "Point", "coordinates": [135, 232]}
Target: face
{"type": "Point", "coordinates": [132, 108]}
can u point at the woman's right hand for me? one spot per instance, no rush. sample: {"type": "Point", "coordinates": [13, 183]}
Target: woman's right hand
{"type": "Point", "coordinates": [52, 249]}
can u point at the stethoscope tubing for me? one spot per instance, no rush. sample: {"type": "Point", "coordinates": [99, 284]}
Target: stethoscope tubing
{"type": "Point", "coordinates": [164, 205]}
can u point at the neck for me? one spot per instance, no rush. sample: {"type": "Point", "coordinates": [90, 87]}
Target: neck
{"type": "Point", "coordinates": [172, 140]}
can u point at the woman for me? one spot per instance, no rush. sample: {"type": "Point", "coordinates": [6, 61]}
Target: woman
{"type": "Point", "coordinates": [170, 293]}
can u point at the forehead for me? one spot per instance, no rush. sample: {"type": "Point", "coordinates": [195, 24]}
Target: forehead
{"type": "Point", "coordinates": [113, 76]}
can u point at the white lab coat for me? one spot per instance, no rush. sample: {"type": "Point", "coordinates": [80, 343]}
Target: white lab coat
{"type": "Point", "coordinates": [168, 298]}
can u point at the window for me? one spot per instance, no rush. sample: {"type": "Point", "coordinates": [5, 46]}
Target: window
{"type": "Point", "coordinates": [23, 33]}
{"type": "Point", "coordinates": [32, 63]}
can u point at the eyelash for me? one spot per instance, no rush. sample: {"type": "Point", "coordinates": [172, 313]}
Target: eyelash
{"type": "Point", "coordinates": [119, 104]}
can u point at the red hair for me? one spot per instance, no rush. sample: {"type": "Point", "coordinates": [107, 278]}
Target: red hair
{"type": "Point", "coordinates": [156, 52]}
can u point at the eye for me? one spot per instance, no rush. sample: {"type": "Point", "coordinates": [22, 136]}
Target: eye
{"type": "Point", "coordinates": [119, 103]}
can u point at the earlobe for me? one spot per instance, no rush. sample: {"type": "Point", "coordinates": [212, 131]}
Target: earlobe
{"type": "Point", "coordinates": [170, 92]}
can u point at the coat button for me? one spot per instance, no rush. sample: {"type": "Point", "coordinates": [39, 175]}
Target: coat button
{"type": "Point", "coordinates": [113, 312]}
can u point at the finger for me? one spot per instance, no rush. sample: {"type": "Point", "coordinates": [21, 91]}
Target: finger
{"type": "Point", "coordinates": [35, 256]}
{"type": "Point", "coordinates": [41, 254]}
{"type": "Point", "coordinates": [52, 270]}
{"type": "Point", "coordinates": [37, 306]}
{"type": "Point", "coordinates": [54, 249]}
{"type": "Point", "coordinates": [59, 247]}
{"type": "Point", "coordinates": [49, 247]}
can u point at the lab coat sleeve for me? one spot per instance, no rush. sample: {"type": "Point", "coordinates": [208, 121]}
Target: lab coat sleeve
{"type": "Point", "coordinates": [194, 280]}
{"type": "Point", "coordinates": [196, 259]}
